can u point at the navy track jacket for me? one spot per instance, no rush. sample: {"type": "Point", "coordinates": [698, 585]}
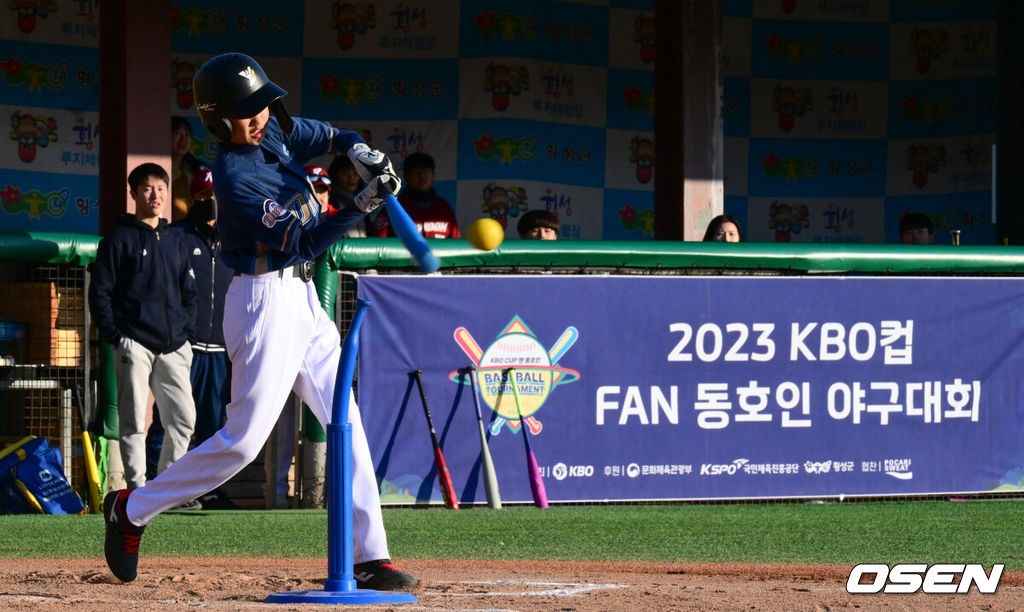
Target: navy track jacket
{"type": "Point", "coordinates": [143, 287]}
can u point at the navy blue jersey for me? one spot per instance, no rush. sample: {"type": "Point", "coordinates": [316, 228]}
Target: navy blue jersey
{"type": "Point", "coordinates": [267, 213]}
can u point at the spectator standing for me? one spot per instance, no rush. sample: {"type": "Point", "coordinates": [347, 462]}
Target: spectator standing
{"type": "Point", "coordinates": [431, 213]}
{"type": "Point", "coordinates": [184, 166]}
{"type": "Point", "coordinates": [345, 184]}
{"type": "Point", "coordinates": [321, 183]}
{"type": "Point", "coordinates": [211, 370]}
{"type": "Point", "coordinates": [142, 297]}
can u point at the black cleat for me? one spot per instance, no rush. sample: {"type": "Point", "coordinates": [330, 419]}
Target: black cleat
{"type": "Point", "coordinates": [381, 575]}
{"type": "Point", "coordinates": [121, 545]}
{"type": "Point", "coordinates": [195, 504]}
{"type": "Point", "coordinates": [217, 500]}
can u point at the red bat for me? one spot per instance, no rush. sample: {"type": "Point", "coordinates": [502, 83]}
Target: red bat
{"type": "Point", "coordinates": [444, 478]}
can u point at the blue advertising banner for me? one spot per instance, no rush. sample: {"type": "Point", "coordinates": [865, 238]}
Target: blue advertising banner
{"type": "Point", "coordinates": [660, 388]}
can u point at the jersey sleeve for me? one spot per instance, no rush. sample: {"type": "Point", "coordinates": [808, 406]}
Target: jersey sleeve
{"type": "Point", "coordinates": [278, 225]}
{"type": "Point", "coordinates": [311, 138]}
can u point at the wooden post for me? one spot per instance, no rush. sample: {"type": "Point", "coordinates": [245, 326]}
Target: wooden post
{"type": "Point", "coordinates": [135, 107]}
{"type": "Point", "coordinates": [688, 140]}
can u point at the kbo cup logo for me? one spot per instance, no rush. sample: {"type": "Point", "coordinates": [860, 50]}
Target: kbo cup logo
{"type": "Point", "coordinates": [516, 357]}
{"type": "Point", "coordinates": [944, 578]}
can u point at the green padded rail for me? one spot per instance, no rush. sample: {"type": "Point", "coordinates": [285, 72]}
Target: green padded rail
{"type": "Point", "coordinates": [366, 253]}
{"type": "Point", "coordinates": [48, 247]}
{"type": "Point", "coordinates": [363, 253]}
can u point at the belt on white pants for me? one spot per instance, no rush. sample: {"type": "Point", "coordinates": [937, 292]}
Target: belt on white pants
{"type": "Point", "coordinates": [302, 271]}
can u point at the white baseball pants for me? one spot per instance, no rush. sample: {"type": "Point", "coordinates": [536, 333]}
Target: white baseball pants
{"type": "Point", "coordinates": [279, 339]}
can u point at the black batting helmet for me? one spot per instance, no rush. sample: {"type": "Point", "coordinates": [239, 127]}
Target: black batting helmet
{"type": "Point", "coordinates": [234, 86]}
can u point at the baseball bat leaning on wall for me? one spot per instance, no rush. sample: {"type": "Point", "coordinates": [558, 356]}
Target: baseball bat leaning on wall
{"type": "Point", "coordinates": [92, 474]}
{"type": "Point", "coordinates": [443, 477]}
{"type": "Point", "coordinates": [490, 478]}
{"type": "Point", "coordinates": [414, 242]}
{"type": "Point", "coordinates": [540, 495]}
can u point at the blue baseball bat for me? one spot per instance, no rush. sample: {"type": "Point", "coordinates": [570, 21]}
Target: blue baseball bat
{"type": "Point", "coordinates": [410, 236]}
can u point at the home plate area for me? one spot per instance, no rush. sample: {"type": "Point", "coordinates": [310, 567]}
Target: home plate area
{"type": "Point", "coordinates": [528, 588]}
{"type": "Point", "coordinates": [523, 586]}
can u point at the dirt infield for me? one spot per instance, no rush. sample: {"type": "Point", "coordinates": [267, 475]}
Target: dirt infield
{"type": "Point", "coordinates": [234, 584]}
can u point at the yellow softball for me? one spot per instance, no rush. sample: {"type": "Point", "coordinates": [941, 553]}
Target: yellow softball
{"type": "Point", "coordinates": [485, 234]}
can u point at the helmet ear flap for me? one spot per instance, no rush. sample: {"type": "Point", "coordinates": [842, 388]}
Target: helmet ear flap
{"type": "Point", "coordinates": [281, 113]}
{"type": "Point", "coordinates": [220, 129]}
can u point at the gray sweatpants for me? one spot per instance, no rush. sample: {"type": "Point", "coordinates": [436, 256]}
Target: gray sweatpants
{"type": "Point", "coordinates": [139, 370]}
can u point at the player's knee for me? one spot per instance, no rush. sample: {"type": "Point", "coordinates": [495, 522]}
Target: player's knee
{"type": "Point", "coordinates": [243, 451]}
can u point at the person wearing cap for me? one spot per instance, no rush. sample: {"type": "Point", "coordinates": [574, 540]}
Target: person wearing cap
{"type": "Point", "coordinates": [210, 374]}
{"type": "Point", "coordinates": [431, 213]}
{"type": "Point", "coordinates": [211, 368]}
{"type": "Point", "coordinates": [278, 337]}
{"type": "Point", "coordinates": [345, 185]}
{"type": "Point", "coordinates": [321, 182]}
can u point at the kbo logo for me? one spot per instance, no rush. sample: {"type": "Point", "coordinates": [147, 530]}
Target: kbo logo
{"type": "Point", "coordinates": [562, 471]}
{"type": "Point", "coordinates": [914, 577]}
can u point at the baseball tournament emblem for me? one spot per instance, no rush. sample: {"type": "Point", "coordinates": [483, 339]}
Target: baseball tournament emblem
{"type": "Point", "coordinates": [535, 371]}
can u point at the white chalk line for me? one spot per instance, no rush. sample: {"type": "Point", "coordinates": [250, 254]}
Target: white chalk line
{"type": "Point", "coordinates": [563, 589]}
{"type": "Point", "coordinates": [567, 589]}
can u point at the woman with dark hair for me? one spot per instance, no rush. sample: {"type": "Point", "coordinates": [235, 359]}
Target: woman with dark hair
{"type": "Point", "coordinates": [184, 166]}
{"type": "Point", "coordinates": [724, 228]}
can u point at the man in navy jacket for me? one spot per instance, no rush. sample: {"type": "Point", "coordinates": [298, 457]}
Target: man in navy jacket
{"type": "Point", "coordinates": [143, 296]}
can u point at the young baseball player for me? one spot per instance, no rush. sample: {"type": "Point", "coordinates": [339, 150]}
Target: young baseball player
{"type": "Point", "coordinates": [278, 337]}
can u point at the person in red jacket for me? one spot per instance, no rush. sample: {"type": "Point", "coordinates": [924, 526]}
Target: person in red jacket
{"type": "Point", "coordinates": [431, 213]}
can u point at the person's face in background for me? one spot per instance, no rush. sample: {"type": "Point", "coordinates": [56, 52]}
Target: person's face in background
{"type": "Point", "coordinates": [419, 179]}
{"type": "Point", "coordinates": [150, 197]}
{"type": "Point", "coordinates": [540, 233]}
{"type": "Point", "coordinates": [181, 141]}
{"type": "Point", "coordinates": [920, 235]}
{"type": "Point", "coordinates": [204, 196]}
{"type": "Point", "coordinates": [323, 195]}
{"type": "Point", "coordinates": [250, 131]}
{"type": "Point", "coordinates": [347, 179]}
{"type": "Point", "coordinates": [727, 232]}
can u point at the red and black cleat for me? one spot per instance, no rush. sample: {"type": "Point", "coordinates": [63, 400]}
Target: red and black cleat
{"type": "Point", "coordinates": [381, 575]}
{"type": "Point", "coordinates": [121, 545]}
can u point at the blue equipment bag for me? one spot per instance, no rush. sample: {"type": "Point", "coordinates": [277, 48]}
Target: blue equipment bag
{"type": "Point", "coordinates": [32, 480]}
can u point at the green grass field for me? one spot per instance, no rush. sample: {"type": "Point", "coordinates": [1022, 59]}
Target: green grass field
{"type": "Point", "coordinates": [845, 533]}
